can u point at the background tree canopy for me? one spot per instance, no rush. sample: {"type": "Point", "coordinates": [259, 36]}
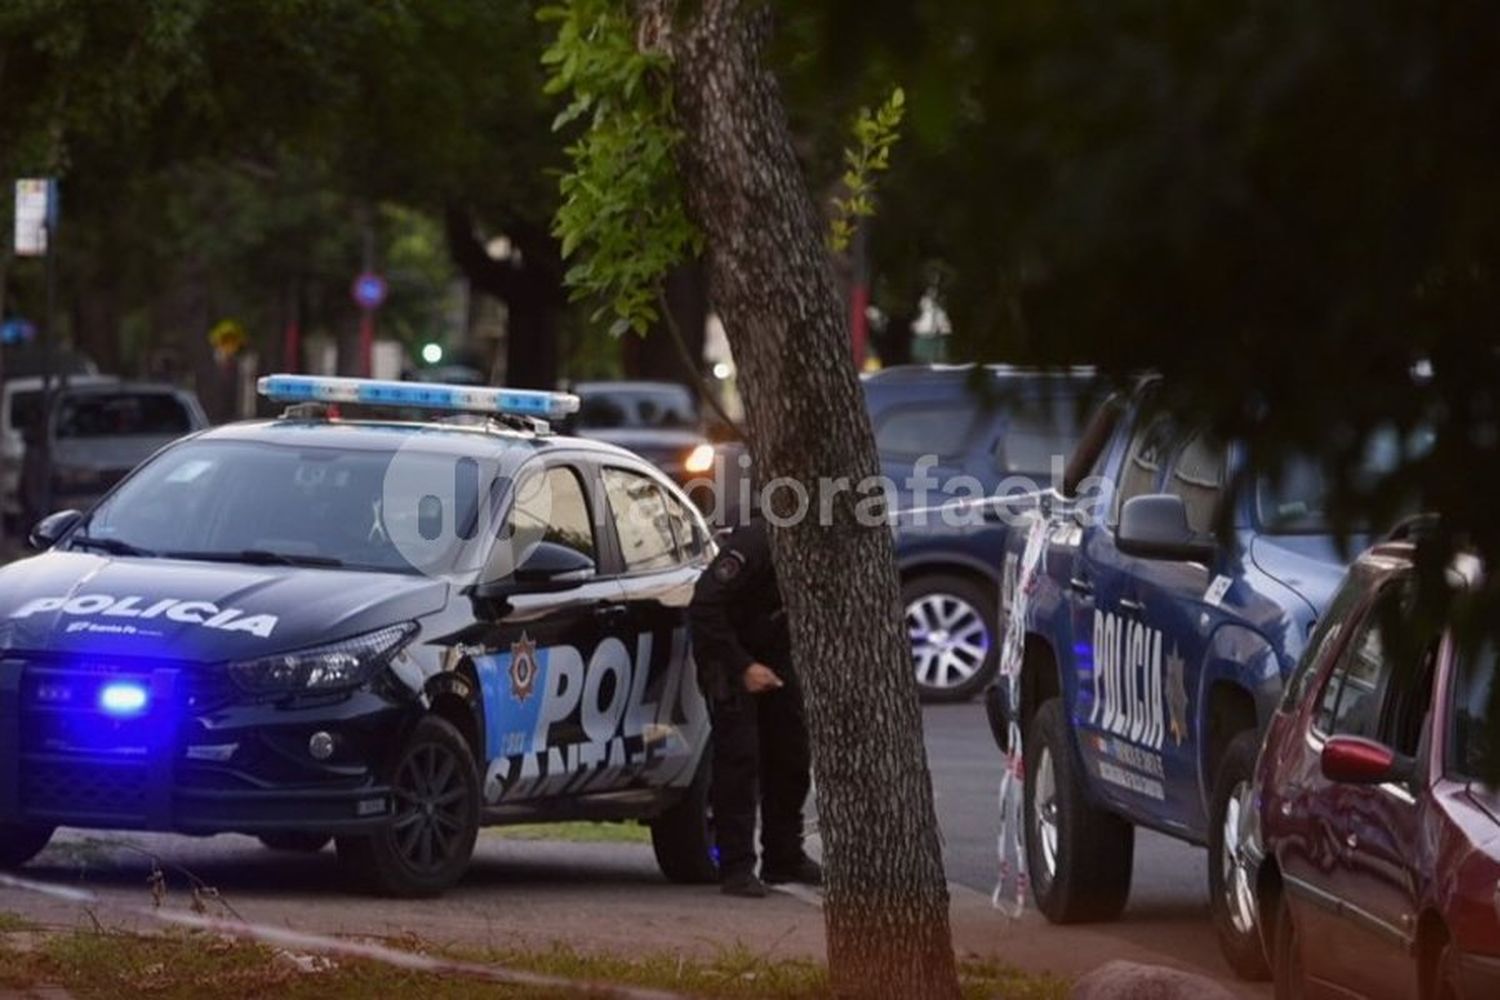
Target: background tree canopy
{"type": "Point", "coordinates": [1282, 207]}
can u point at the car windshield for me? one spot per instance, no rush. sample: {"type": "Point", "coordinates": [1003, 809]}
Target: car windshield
{"type": "Point", "coordinates": [1038, 434]}
{"type": "Point", "coordinates": [1475, 708]}
{"type": "Point", "coordinates": [1299, 501]}
{"type": "Point", "coordinates": [637, 407]}
{"type": "Point", "coordinates": [241, 501]}
{"type": "Point", "coordinates": [119, 414]}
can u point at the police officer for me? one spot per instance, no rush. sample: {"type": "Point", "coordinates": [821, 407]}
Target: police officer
{"type": "Point", "coordinates": [743, 650]}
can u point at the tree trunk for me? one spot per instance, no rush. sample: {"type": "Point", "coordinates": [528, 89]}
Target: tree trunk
{"type": "Point", "coordinates": [771, 281]}
{"type": "Point", "coordinates": [531, 288]}
{"type": "Point", "coordinates": [656, 357]}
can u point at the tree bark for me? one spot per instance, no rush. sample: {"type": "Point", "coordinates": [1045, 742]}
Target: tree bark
{"type": "Point", "coordinates": [771, 280]}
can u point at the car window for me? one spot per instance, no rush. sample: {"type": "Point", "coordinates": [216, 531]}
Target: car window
{"type": "Point", "coordinates": [1298, 498]}
{"type": "Point", "coordinates": [1475, 707]}
{"type": "Point", "coordinates": [692, 541]}
{"type": "Point", "coordinates": [1143, 460]}
{"type": "Point", "coordinates": [1035, 434]}
{"type": "Point", "coordinates": [113, 414]}
{"type": "Point", "coordinates": [551, 508]}
{"type": "Point", "coordinates": [941, 430]}
{"type": "Point", "coordinates": [1324, 637]}
{"type": "Point", "coordinates": [1407, 701]}
{"type": "Point", "coordinates": [1198, 478]}
{"type": "Point", "coordinates": [641, 520]}
{"type": "Point", "coordinates": [1350, 705]}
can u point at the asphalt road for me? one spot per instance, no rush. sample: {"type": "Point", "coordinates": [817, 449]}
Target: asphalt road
{"type": "Point", "coordinates": [1168, 910]}
{"type": "Point", "coordinates": [610, 896]}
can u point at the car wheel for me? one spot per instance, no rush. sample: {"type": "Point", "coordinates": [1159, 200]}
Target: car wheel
{"type": "Point", "coordinates": [951, 624]}
{"type": "Point", "coordinates": [1290, 978]}
{"type": "Point", "coordinates": [295, 842]}
{"type": "Point", "coordinates": [427, 845]}
{"type": "Point", "coordinates": [20, 842]}
{"type": "Point", "coordinates": [1231, 885]}
{"type": "Point", "coordinates": [682, 837]}
{"type": "Point", "coordinates": [1079, 856]}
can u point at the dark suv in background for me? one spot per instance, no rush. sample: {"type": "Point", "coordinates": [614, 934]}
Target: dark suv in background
{"type": "Point", "coordinates": [982, 439]}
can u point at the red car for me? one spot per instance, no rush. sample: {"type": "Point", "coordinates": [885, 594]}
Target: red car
{"type": "Point", "coordinates": [1376, 860]}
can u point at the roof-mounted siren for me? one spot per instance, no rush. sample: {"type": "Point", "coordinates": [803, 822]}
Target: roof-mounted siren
{"type": "Point", "coordinates": [528, 407]}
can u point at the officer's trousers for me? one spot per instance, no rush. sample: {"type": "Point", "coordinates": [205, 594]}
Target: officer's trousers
{"type": "Point", "coordinates": [761, 758]}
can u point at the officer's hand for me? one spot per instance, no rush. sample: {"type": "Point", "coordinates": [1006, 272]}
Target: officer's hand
{"type": "Point", "coordinates": [760, 678]}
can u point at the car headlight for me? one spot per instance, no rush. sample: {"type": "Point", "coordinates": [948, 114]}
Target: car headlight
{"type": "Point", "coordinates": [700, 459]}
{"type": "Point", "coordinates": [344, 664]}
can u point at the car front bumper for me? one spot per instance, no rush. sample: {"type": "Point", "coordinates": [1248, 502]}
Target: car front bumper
{"type": "Point", "coordinates": [195, 759]}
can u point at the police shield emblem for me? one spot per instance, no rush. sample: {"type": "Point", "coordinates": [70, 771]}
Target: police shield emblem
{"type": "Point", "coordinates": [523, 669]}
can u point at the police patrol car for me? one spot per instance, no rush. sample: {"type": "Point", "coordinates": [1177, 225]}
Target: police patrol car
{"type": "Point", "coordinates": [380, 632]}
{"type": "Point", "coordinates": [1154, 653]}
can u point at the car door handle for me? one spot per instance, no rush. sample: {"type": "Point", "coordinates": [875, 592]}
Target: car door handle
{"type": "Point", "coordinates": [1079, 585]}
{"type": "Point", "coordinates": [1131, 604]}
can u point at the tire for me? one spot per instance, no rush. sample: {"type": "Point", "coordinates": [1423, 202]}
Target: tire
{"type": "Point", "coordinates": [295, 842]}
{"type": "Point", "coordinates": [427, 845]}
{"type": "Point", "coordinates": [1080, 862]}
{"type": "Point", "coordinates": [1290, 979]}
{"type": "Point", "coordinates": [955, 642]}
{"type": "Point", "coordinates": [20, 842]}
{"type": "Point", "coordinates": [682, 837]}
{"type": "Point", "coordinates": [1231, 886]}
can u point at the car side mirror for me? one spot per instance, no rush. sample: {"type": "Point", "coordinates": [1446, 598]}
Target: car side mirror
{"type": "Point", "coordinates": [51, 528]}
{"type": "Point", "coordinates": [548, 567]}
{"type": "Point", "coordinates": [1353, 760]}
{"type": "Point", "coordinates": [1156, 527]}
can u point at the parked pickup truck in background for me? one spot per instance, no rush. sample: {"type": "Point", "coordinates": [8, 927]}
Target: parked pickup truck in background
{"type": "Point", "coordinates": [1155, 651]}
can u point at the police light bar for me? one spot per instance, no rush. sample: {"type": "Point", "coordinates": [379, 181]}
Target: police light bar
{"type": "Point", "coordinates": [420, 395]}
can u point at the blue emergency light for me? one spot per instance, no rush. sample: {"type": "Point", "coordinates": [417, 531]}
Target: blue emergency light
{"type": "Point", "coordinates": [419, 395]}
{"type": "Point", "coordinates": [123, 698]}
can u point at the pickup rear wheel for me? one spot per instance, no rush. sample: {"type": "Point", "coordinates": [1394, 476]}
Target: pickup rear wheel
{"type": "Point", "coordinates": [1078, 855]}
{"type": "Point", "coordinates": [951, 623]}
{"type": "Point", "coordinates": [1231, 886]}
{"type": "Point", "coordinates": [20, 842]}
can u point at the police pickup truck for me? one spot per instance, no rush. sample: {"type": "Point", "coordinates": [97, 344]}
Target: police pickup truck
{"type": "Point", "coordinates": [381, 632]}
{"type": "Point", "coordinates": [1154, 655]}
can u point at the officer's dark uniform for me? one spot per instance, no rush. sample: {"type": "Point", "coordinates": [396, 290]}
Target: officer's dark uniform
{"type": "Point", "coordinates": [759, 740]}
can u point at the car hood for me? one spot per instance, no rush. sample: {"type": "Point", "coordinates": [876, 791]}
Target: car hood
{"type": "Point", "coordinates": [1311, 565]}
{"type": "Point", "coordinates": [71, 602]}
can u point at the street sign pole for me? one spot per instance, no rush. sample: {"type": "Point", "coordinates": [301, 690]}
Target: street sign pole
{"type": "Point", "coordinates": [49, 367]}
{"type": "Point", "coordinates": [36, 236]}
{"type": "Point", "coordinates": [369, 293]}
